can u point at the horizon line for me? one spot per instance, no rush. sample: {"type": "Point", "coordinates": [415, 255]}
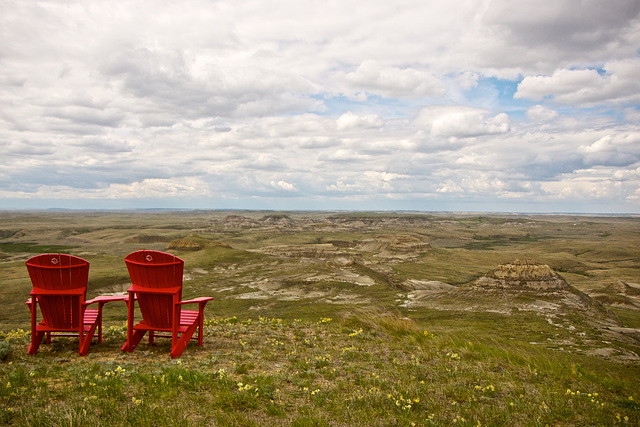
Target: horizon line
{"type": "Point", "coordinates": [399, 211]}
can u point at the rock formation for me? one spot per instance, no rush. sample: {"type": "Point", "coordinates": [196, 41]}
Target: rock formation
{"type": "Point", "coordinates": [390, 246]}
{"type": "Point", "coordinates": [523, 275]}
{"type": "Point", "coordinates": [310, 251]}
{"type": "Point", "coordinates": [620, 287]}
{"type": "Point", "coordinates": [193, 242]}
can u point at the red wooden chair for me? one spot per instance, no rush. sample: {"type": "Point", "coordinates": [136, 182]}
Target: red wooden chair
{"type": "Point", "coordinates": [60, 290]}
{"type": "Point", "coordinates": [156, 279]}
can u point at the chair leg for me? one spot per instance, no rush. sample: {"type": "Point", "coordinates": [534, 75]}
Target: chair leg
{"type": "Point", "coordinates": [133, 336]}
{"type": "Point", "coordinates": [132, 343]}
{"type": "Point", "coordinates": [201, 321]}
{"type": "Point", "coordinates": [200, 327]}
{"type": "Point", "coordinates": [177, 350]}
{"type": "Point", "coordinates": [86, 341]}
{"type": "Point", "coordinates": [36, 337]}
{"type": "Point", "coordinates": [100, 304]}
{"type": "Point", "coordinates": [36, 340]}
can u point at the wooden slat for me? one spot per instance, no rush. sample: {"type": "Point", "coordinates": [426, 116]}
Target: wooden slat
{"type": "Point", "coordinates": [60, 288]}
{"type": "Point", "coordinates": [59, 272]}
{"type": "Point", "coordinates": [155, 270]}
{"type": "Point", "coordinates": [156, 279]}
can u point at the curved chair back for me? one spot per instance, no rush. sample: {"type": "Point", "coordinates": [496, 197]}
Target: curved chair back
{"type": "Point", "coordinates": [156, 270]}
{"type": "Point", "coordinates": [59, 272]}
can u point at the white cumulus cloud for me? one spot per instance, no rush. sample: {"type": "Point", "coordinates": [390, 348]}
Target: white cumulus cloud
{"type": "Point", "coordinates": [418, 104]}
{"type": "Point", "coordinates": [540, 113]}
{"type": "Point", "coordinates": [283, 185]}
{"type": "Point", "coordinates": [461, 121]}
{"type": "Point", "coordinates": [618, 83]}
{"type": "Point", "coordinates": [394, 82]}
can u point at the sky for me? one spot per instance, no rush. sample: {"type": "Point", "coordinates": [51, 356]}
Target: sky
{"type": "Point", "coordinates": [427, 105]}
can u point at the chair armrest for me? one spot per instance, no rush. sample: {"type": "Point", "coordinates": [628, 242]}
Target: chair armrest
{"type": "Point", "coordinates": [196, 300]}
{"type": "Point", "coordinates": [52, 292]}
{"type": "Point", "coordinates": [164, 291]}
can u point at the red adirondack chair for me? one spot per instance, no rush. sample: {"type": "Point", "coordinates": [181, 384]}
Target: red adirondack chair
{"type": "Point", "coordinates": [60, 290]}
{"type": "Point", "coordinates": [156, 279]}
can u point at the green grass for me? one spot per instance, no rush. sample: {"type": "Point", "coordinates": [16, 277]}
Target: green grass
{"type": "Point", "coordinates": [11, 247]}
{"type": "Point", "coordinates": [629, 317]}
{"type": "Point", "coordinates": [337, 352]}
{"type": "Point", "coordinates": [374, 368]}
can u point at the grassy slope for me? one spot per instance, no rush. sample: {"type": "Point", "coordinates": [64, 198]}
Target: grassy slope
{"type": "Point", "coordinates": [362, 365]}
{"type": "Point", "coordinates": [371, 369]}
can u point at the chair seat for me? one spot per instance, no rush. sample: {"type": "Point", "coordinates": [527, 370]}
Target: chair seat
{"type": "Point", "coordinates": [91, 316]}
{"type": "Point", "coordinates": [187, 318]}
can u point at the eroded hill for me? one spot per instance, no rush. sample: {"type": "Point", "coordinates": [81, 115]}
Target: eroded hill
{"type": "Point", "coordinates": [577, 292]}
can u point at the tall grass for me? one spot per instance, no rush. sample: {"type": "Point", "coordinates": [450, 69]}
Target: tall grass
{"type": "Point", "coordinates": [375, 368]}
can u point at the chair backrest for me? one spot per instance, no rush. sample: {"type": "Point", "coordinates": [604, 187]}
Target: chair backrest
{"type": "Point", "coordinates": [155, 270]}
{"type": "Point", "coordinates": [59, 272]}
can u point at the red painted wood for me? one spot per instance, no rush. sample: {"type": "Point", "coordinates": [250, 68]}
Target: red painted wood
{"type": "Point", "coordinates": [156, 284]}
{"type": "Point", "coordinates": [59, 291]}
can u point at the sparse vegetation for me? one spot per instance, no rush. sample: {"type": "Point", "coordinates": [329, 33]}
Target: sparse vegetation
{"type": "Point", "coordinates": [373, 368]}
{"type": "Point", "coordinates": [11, 247]}
{"type": "Point", "coordinates": [5, 350]}
{"type": "Point", "coordinates": [297, 337]}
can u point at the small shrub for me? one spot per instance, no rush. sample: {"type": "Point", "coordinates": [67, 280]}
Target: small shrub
{"type": "Point", "coordinates": [243, 369]}
{"type": "Point", "coordinates": [5, 350]}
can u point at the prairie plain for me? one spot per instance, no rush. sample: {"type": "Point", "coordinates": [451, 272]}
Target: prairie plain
{"type": "Point", "coordinates": [356, 269]}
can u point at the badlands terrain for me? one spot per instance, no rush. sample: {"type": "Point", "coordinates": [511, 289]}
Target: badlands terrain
{"type": "Point", "coordinates": [340, 319]}
{"type": "Point", "coordinates": [561, 282]}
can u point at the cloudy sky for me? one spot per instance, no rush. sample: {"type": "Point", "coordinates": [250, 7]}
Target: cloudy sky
{"type": "Point", "coordinates": [468, 105]}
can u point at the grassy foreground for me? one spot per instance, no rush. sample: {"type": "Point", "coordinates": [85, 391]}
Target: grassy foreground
{"type": "Point", "coordinates": [372, 368]}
